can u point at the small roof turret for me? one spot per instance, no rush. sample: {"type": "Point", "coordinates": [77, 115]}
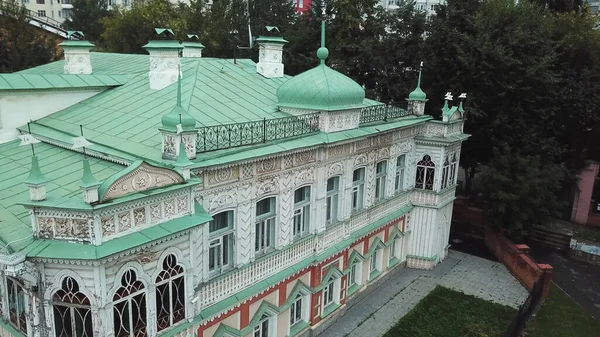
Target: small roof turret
{"type": "Point", "coordinates": [178, 115]}
{"type": "Point", "coordinates": [418, 94]}
{"type": "Point", "coordinates": [88, 179]}
{"type": "Point", "coordinates": [36, 177]}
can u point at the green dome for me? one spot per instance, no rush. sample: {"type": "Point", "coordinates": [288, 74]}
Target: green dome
{"type": "Point", "coordinates": [417, 95]}
{"type": "Point", "coordinates": [321, 88]}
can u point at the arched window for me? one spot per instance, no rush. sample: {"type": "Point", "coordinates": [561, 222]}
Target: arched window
{"type": "Point", "coordinates": [72, 313]}
{"type": "Point", "coordinates": [263, 329]}
{"type": "Point", "coordinates": [453, 169]}
{"type": "Point", "coordinates": [170, 293]}
{"type": "Point", "coordinates": [425, 173]}
{"type": "Point", "coordinates": [16, 304]}
{"type": "Point", "coordinates": [129, 307]}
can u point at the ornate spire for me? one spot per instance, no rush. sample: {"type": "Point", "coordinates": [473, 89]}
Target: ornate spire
{"type": "Point", "coordinates": [36, 177]}
{"type": "Point", "coordinates": [178, 116]}
{"type": "Point", "coordinates": [183, 163]}
{"type": "Point", "coordinates": [418, 94]}
{"type": "Point", "coordinates": [447, 98]}
{"type": "Point", "coordinates": [323, 52]}
{"type": "Point", "coordinates": [88, 179]}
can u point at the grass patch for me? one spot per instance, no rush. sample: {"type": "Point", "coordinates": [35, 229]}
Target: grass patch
{"type": "Point", "coordinates": [560, 316]}
{"type": "Point", "coordinates": [450, 313]}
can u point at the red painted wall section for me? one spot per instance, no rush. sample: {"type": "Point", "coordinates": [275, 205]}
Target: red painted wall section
{"type": "Point", "coordinates": [306, 5]}
{"type": "Point", "coordinates": [516, 258]}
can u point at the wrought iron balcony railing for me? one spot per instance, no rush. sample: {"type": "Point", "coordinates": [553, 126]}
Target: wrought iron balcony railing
{"type": "Point", "coordinates": [226, 136]}
{"type": "Point", "coordinates": [219, 137]}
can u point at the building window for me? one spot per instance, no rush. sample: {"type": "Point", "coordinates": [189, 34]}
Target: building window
{"type": "Point", "coordinates": [352, 275]}
{"type": "Point", "coordinates": [265, 225]}
{"type": "Point", "coordinates": [220, 253]}
{"type": "Point", "coordinates": [301, 211]}
{"type": "Point", "coordinates": [445, 172]}
{"type": "Point", "coordinates": [67, 13]}
{"type": "Point", "coordinates": [40, 2]}
{"type": "Point", "coordinates": [300, 3]}
{"type": "Point", "coordinates": [358, 189]}
{"type": "Point", "coordinates": [453, 170]}
{"type": "Point", "coordinates": [400, 164]}
{"type": "Point", "coordinates": [262, 329]}
{"type": "Point", "coordinates": [328, 294]}
{"type": "Point", "coordinates": [72, 313]}
{"type": "Point", "coordinates": [394, 249]}
{"type": "Point", "coordinates": [296, 311]}
{"type": "Point", "coordinates": [373, 261]}
{"type": "Point", "coordinates": [129, 308]}
{"type": "Point", "coordinates": [425, 174]}
{"type": "Point", "coordinates": [380, 175]}
{"type": "Point", "coordinates": [333, 186]}
{"type": "Point", "coordinates": [16, 304]}
{"type": "Point", "coordinates": [170, 294]}
{"type": "Point", "coordinates": [42, 13]}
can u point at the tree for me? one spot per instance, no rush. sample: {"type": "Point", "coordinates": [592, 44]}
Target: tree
{"type": "Point", "coordinates": [128, 30]}
{"type": "Point", "coordinates": [21, 45]}
{"type": "Point", "coordinates": [519, 191]}
{"type": "Point", "coordinates": [561, 5]}
{"type": "Point", "coordinates": [86, 17]}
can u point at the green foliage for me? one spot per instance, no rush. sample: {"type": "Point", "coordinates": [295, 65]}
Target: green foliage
{"type": "Point", "coordinates": [22, 46]}
{"type": "Point", "coordinates": [449, 313]}
{"type": "Point", "coordinates": [519, 191]}
{"type": "Point", "coordinates": [127, 30]}
{"type": "Point", "coordinates": [561, 316]}
{"type": "Point", "coordinates": [86, 18]}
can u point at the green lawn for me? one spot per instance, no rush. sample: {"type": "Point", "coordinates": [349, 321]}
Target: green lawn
{"type": "Point", "coordinates": [560, 316]}
{"type": "Point", "coordinates": [449, 313]}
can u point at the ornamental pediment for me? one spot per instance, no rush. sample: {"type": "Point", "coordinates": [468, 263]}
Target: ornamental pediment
{"type": "Point", "coordinates": [139, 177]}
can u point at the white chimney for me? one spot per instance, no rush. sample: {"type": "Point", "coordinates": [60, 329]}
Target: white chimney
{"type": "Point", "coordinates": [164, 59]}
{"type": "Point", "coordinates": [192, 47]}
{"type": "Point", "coordinates": [270, 57]}
{"type": "Point", "coordinates": [77, 54]}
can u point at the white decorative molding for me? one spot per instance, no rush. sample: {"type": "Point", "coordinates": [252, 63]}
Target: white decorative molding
{"type": "Point", "coordinates": [143, 178]}
{"type": "Point", "coordinates": [335, 169]}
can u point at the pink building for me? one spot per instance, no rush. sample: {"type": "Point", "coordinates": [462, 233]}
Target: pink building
{"type": "Point", "coordinates": [585, 204]}
{"type": "Point", "coordinates": [302, 5]}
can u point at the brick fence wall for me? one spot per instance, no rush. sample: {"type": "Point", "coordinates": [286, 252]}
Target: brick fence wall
{"type": "Point", "coordinates": [514, 256]}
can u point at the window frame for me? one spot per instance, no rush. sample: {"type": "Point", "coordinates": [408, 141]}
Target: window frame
{"type": "Point", "coordinates": [380, 180]}
{"type": "Point", "coordinates": [296, 310]}
{"type": "Point", "coordinates": [260, 327]}
{"type": "Point", "coordinates": [445, 173]}
{"type": "Point", "coordinates": [218, 238]}
{"type": "Point", "coordinates": [399, 177]}
{"type": "Point", "coordinates": [357, 200]}
{"type": "Point", "coordinates": [373, 262]}
{"type": "Point", "coordinates": [142, 293]}
{"type": "Point", "coordinates": [265, 223]}
{"type": "Point", "coordinates": [302, 211]}
{"type": "Point", "coordinates": [425, 175]}
{"type": "Point", "coordinates": [332, 200]}
{"type": "Point", "coordinates": [66, 297]}
{"type": "Point", "coordinates": [17, 289]}
{"type": "Point", "coordinates": [328, 292]}
{"type": "Point", "coordinates": [175, 284]}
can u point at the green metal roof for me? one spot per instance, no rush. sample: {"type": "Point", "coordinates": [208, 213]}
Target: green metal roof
{"type": "Point", "coordinates": [63, 170]}
{"type": "Point", "coordinates": [321, 88]}
{"type": "Point", "coordinates": [77, 44]}
{"type": "Point", "coordinates": [19, 81]}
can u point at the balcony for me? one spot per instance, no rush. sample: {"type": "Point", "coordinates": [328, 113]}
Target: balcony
{"type": "Point", "coordinates": [420, 197]}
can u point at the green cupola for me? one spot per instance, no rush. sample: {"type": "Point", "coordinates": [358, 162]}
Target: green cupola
{"type": "Point", "coordinates": [36, 181]}
{"type": "Point", "coordinates": [320, 88]}
{"type": "Point", "coordinates": [89, 185]}
{"type": "Point", "coordinates": [417, 98]}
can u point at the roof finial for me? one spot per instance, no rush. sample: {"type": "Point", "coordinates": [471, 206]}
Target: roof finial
{"type": "Point", "coordinates": [179, 86]}
{"type": "Point", "coordinates": [418, 94]}
{"type": "Point", "coordinates": [447, 97]}
{"type": "Point", "coordinates": [420, 71]}
{"type": "Point", "coordinates": [323, 52]}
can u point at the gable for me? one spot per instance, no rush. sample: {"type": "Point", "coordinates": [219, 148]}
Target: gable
{"type": "Point", "coordinates": [138, 177]}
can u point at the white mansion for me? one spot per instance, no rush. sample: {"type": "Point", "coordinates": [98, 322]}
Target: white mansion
{"type": "Point", "coordinates": [209, 197]}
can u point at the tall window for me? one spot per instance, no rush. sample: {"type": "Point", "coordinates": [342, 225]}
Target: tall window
{"type": "Point", "coordinates": [40, 2]}
{"type": "Point", "coordinates": [72, 314]}
{"type": "Point", "coordinates": [296, 311]}
{"type": "Point", "coordinates": [352, 275]}
{"type": "Point", "coordinates": [265, 225]}
{"type": "Point", "coordinates": [358, 189]}
{"type": "Point", "coordinates": [300, 3]}
{"type": "Point", "coordinates": [262, 329]}
{"type": "Point", "coordinates": [394, 248]}
{"type": "Point", "coordinates": [16, 304]}
{"type": "Point", "coordinates": [333, 188]}
{"type": "Point", "coordinates": [400, 164]}
{"type": "Point", "coordinates": [129, 307]}
{"type": "Point", "coordinates": [220, 253]}
{"type": "Point", "coordinates": [170, 294]}
{"type": "Point", "coordinates": [328, 294]}
{"type": "Point", "coordinates": [380, 175]}
{"type": "Point", "coordinates": [445, 173]}
{"type": "Point", "coordinates": [373, 261]}
{"type": "Point", "coordinates": [425, 173]}
{"type": "Point", "coordinates": [301, 211]}
{"type": "Point", "coordinates": [453, 169]}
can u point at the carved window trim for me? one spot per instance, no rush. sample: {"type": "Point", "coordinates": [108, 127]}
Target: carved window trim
{"type": "Point", "coordinates": [357, 202]}
{"type": "Point", "coordinates": [71, 306]}
{"type": "Point", "coordinates": [170, 293]}
{"type": "Point", "coordinates": [380, 178]}
{"type": "Point", "coordinates": [265, 225]}
{"type": "Point", "coordinates": [399, 178]}
{"type": "Point", "coordinates": [332, 199]}
{"type": "Point", "coordinates": [425, 174]}
{"type": "Point", "coordinates": [17, 296]}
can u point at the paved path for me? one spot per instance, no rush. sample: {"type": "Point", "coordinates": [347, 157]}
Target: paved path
{"type": "Point", "coordinates": [374, 315]}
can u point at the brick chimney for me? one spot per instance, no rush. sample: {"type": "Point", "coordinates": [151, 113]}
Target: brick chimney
{"type": "Point", "coordinates": [77, 54]}
{"type": "Point", "coordinates": [192, 46]}
{"type": "Point", "coordinates": [270, 57]}
{"type": "Point", "coordinates": [164, 58]}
